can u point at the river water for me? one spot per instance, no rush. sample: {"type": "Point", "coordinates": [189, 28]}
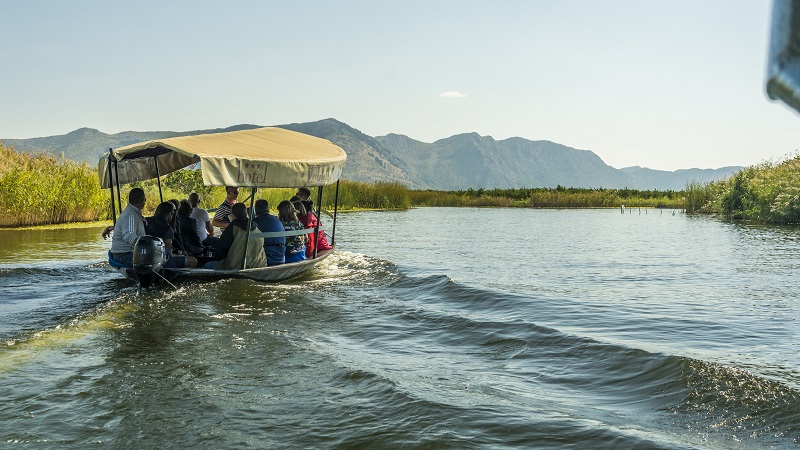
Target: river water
{"type": "Point", "coordinates": [430, 328]}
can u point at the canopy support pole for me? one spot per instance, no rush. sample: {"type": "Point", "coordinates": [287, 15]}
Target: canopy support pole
{"type": "Point", "coordinates": [316, 228]}
{"type": "Point", "coordinates": [119, 189]}
{"type": "Point", "coordinates": [335, 209]}
{"type": "Point", "coordinates": [249, 226]}
{"type": "Point", "coordinates": [158, 177]}
{"type": "Point", "coordinates": [111, 187]}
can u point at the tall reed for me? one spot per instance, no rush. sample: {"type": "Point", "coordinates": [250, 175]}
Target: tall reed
{"type": "Point", "coordinates": [768, 193]}
{"type": "Point", "coordinates": [37, 188]}
{"type": "Point", "coordinates": [558, 197]}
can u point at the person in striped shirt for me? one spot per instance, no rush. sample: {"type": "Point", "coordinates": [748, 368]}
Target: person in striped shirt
{"type": "Point", "coordinates": [223, 216]}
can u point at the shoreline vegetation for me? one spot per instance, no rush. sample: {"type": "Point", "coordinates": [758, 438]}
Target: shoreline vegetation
{"type": "Point", "coordinates": [767, 193]}
{"type": "Point", "coordinates": [38, 189]}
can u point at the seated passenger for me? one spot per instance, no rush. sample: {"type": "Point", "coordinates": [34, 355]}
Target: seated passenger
{"type": "Point", "coordinates": [159, 226]}
{"type": "Point", "coordinates": [177, 242]}
{"type": "Point", "coordinates": [304, 193]}
{"type": "Point", "coordinates": [204, 228]}
{"type": "Point", "coordinates": [230, 250]}
{"type": "Point", "coordinates": [310, 221]}
{"type": "Point", "coordinates": [295, 245]}
{"type": "Point", "coordinates": [222, 218]}
{"type": "Point", "coordinates": [128, 228]}
{"type": "Point", "coordinates": [187, 227]}
{"type": "Point", "coordinates": [274, 248]}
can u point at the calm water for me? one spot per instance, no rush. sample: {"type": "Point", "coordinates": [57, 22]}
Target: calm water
{"type": "Point", "coordinates": [431, 328]}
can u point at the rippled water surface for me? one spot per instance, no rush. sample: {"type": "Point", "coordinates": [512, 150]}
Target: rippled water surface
{"type": "Point", "coordinates": [429, 328]}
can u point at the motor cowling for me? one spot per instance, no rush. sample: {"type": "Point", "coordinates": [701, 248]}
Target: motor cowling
{"type": "Point", "coordinates": [149, 256]}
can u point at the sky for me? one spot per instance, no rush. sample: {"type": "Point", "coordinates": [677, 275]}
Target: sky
{"type": "Point", "coordinates": [664, 85]}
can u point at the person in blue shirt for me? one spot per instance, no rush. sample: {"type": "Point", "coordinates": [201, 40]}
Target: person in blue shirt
{"type": "Point", "coordinates": [274, 248]}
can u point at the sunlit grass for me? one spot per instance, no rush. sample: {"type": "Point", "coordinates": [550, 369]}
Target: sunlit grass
{"type": "Point", "coordinates": [38, 189]}
{"type": "Point", "coordinates": [768, 193]}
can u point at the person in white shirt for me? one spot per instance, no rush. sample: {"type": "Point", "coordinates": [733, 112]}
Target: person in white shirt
{"type": "Point", "coordinates": [128, 228]}
{"type": "Point", "coordinates": [205, 231]}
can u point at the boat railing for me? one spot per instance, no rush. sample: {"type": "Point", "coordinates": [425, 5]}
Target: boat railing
{"type": "Point", "coordinates": [274, 234]}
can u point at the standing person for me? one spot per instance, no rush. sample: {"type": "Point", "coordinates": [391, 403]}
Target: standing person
{"type": "Point", "coordinates": [128, 228]}
{"type": "Point", "coordinates": [205, 231]}
{"type": "Point", "coordinates": [232, 243]}
{"type": "Point", "coordinates": [274, 248]}
{"type": "Point", "coordinates": [295, 245]}
{"type": "Point", "coordinates": [222, 218]}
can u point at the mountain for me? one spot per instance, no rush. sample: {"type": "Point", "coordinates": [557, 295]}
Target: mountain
{"type": "Point", "coordinates": [642, 176]}
{"type": "Point", "coordinates": [476, 161]}
{"type": "Point", "coordinates": [367, 160]}
{"type": "Point", "coordinates": [87, 144]}
{"type": "Point", "coordinates": [459, 162]}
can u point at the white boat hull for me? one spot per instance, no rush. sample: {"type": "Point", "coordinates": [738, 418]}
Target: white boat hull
{"type": "Point", "coordinates": [265, 274]}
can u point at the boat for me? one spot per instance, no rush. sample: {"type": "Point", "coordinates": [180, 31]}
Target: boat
{"type": "Point", "coordinates": [258, 158]}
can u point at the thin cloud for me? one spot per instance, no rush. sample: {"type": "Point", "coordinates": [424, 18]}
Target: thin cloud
{"type": "Point", "coordinates": [452, 94]}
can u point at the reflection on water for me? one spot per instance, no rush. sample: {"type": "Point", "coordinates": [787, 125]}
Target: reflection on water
{"type": "Point", "coordinates": [45, 247]}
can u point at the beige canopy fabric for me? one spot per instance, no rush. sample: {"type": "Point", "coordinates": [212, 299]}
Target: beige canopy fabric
{"type": "Point", "coordinates": [261, 157]}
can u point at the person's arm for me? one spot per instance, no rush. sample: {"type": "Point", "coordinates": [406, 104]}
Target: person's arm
{"type": "Point", "coordinates": [222, 217]}
{"type": "Point", "coordinates": [219, 224]}
{"type": "Point", "coordinates": [129, 234]}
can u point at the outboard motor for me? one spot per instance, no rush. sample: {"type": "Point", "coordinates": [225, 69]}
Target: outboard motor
{"type": "Point", "coordinates": [149, 256]}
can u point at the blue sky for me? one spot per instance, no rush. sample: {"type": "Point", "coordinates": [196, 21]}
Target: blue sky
{"type": "Point", "coordinates": [665, 85]}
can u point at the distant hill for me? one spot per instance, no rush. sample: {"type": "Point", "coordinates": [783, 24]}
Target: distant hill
{"type": "Point", "coordinates": [87, 144]}
{"type": "Point", "coordinates": [459, 162]}
{"type": "Point", "coordinates": [642, 176]}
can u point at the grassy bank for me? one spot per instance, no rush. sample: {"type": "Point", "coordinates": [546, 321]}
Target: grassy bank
{"type": "Point", "coordinates": [765, 193]}
{"type": "Point", "coordinates": [40, 189]}
{"type": "Point", "coordinates": [559, 197]}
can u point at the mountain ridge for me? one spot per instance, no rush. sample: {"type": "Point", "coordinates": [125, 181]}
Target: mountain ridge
{"type": "Point", "coordinates": [459, 162]}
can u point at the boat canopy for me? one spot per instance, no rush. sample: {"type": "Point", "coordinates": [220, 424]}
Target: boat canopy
{"type": "Point", "coordinates": [260, 157]}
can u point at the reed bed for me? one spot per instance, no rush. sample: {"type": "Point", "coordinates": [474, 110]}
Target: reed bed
{"type": "Point", "coordinates": [558, 197]}
{"type": "Point", "coordinates": [766, 193]}
{"type": "Point", "coordinates": [37, 188]}
{"type": "Point", "coordinates": [41, 189]}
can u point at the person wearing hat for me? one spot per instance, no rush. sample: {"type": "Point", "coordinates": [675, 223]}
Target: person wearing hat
{"type": "Point", "coordinates": [274, 247]}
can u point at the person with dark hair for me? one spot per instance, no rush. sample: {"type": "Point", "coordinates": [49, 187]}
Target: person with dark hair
{"type": "Point", "coordinates": [230, 251]}
{"type": "Point", "coordinates": [129, 226]}
{"type": "Point", "coordinates": [310, 221]}
{"type": "Point", "coordinates": [222, 218]}
{"type": "Point", "coordinates": [187, 227]}
{"type": "Point", "coordinates": [204, 229]}
{"type": "Point", "coordinates": [275, 247]}
{"type": "Point", "coordinates": [295, 245]}
{"type": "Point", "coordinates": [177, 242]}
{"type": "Point", "coordinates": [304, 193]}
{"type": "Point", "coordinates": [160, 227]}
